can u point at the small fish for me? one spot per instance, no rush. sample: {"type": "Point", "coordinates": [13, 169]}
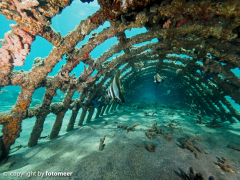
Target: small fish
{"type": "Point", "coordinates": [193, 105]}
{"type": "Point", "coordinates": [166, 86]}
{"type": "Point", "coordinates": [95, 102]}
{"type": "Point", "coordinates": [115, 89]}
{"type": "Point", "coordinates": [168, 92]}
{"type": "Point", "coordinates": [158, 79]}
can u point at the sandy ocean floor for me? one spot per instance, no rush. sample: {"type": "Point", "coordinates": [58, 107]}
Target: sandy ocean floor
{"type": "Point", "coordinates": [125, 154]}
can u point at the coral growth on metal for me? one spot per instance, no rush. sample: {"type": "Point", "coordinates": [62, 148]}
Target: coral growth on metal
{"type": "Point", "coordinates": [194, 28]}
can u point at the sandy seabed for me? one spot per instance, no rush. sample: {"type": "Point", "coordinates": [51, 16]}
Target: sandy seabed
{"type": "Point", "coordinates": [75, 155]}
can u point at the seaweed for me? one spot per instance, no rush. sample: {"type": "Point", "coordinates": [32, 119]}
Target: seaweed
{"type": "Point", "coordinates": [105, 123]}
{"type": "Point", "coordinates": [214, 123]}
{"type": "Point", "coordinates": [132, 128]}
{"type": "Point", "coordinates": [172, 125]}
{"type": "Point", "coordinates": [150, 146]}
{"type": "Point", "coordinates": [200, 118]}
{"type": "Point", "coordinates": [16, 148]}
{"type": "Point", "coordinates": [126, 127]}
{"type": "Point", "coordinates": [145, 113]}
{"type": "Point", "coordinates": [225, 165]}
{"type": "Point", "coordinates": [237, 148]}
{"type": "Point", "coordinates": [192, 175]}
{"type": "Point", "coordinates": [152, 133]}
{"type": "Point", "coordinates": [187, 143]}
{"type": "Point", "coordinates": [101, 145]}
{"type": "Point", "coordinates": [165, 135]}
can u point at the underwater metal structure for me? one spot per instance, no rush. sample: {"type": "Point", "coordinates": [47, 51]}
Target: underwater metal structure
{"type": "Point", "coordinates": [194, 28]}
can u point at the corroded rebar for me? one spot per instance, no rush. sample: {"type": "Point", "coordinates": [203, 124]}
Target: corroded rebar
{"type": "Point", "coordinates": [103, 110]}
{"type": "Point", "coordinates": [108, 107]}
{"type": "Point", "coordinates": [83, 114]}
{"type": "Point", "coordinates": [60, 115]}
{"type": "Point", "coordinates": [99, 109]}
{"type": "Point", "coordinates": [72, 119]}
{"type": "Point", "coordinates": [40, 118]}
{"type": "Point", "coordinates": [112, 107]}
{"type": "Point", "coordinates": [90, 114]}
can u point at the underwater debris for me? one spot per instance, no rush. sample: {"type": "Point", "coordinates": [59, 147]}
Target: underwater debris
{"type": "Point", "coordinates": [192, 175]}
{"type": "Point", "coordinates": [101, 145]}
{"type": "Point", "coordinates": [193, 107]}
{"type": "Point", "coordinates": [187, 143]}
{"type": "Point", "coordinates": [225, 165]}
{"type": "Point", "coordinates": [105, 123]}
{"type": "Point", "coordinates": [122, 126]}
{"type": "Point", "coordinates": [165, 135]}
{"type": "Point", "coordinates": [132, 128]}
{"type": "Point", "coordinates": [181, 130]}
{"type": "Point", "coordinates": [169, 112]}
{"type": "Point", "coordinates": [152, 133]}
{"type": "Point", "coordinates": [44, 137]}
{"type": "Point", "coordinates": [185, 114]}
{"type": "Point", "coordinates": [126, 127]}
{"type": "Point", "coordinates": [172, 125]}
{"type": "Point", "coordinates": [153, 114]}
{"type": "Point", "coordinates": [237, 148]}
{"type": "Point", "coordinates": [155, 129]}
{"type": "Point", "coordinates": [16, 148]}
{"type": "Point", "coordinates": [150, 146]}
{"type": "Point", "coordinates": [146, 113]}
{"type": "Point", "coordinates": [214, 123]}
{"type": "Point", "coordinates": [200, 118]}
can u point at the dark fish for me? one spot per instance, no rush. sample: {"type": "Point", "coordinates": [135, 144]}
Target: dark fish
{"type": "Point", "coordinates": [88, 1]}
{"type": "Point", "coordinates": [95, 102]}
